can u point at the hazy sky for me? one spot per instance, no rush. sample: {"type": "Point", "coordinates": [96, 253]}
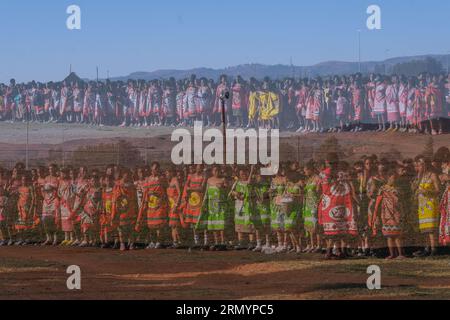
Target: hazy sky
{"type": "Point", "coordinates": [146, 35]}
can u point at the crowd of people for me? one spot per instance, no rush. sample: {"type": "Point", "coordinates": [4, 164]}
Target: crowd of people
{"type": "Point", "coordinates": [330, 206]}
{"type": "Point", "coordinates": [340, 103]}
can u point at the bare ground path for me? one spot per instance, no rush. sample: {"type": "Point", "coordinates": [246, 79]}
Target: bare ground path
{"type": "Point", "coordinates": [39, 273]}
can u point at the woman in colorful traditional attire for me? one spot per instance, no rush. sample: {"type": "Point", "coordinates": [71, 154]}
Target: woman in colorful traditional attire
{"type": "Point", "coordinates": [47, 94]}
{"type": "Point", "coordinates": [66, 197]}
{"type": "Point", "coordinates": [253, 105]}
{"type": "Point", "coordinates": [262, 209]}
{"type": "Point", "coordinates": [124, 209]}
{"type": "Point", "coordinates": [55, 103]}
{"type": "Point", "coordinates": [114, 105]}
{"type": "Point", "coordinates": [370, 92]}
{"type": "Point", "coordinates": [389, 207]}
{"type": "Point", "coordinates": [130, 104]}
{"type": "Point", "coordinates": [155, 102]}
{"type": "Point", "coordinates": [403, 91]}
{"type": "Point", "coordinates": [81, 187]}
{"type": "Point", "coordinates": [317, 106]}
{"type": "Point", "coordinates": [193, 195]}
{"type": "Point", "coordinates": [191, 97]}
{"type": "Point", "coordinates": [169, 104]}
{"type": "Point", "coordinates": [239, 100]}
{"type": "Point", "coordinates": [434, 98]}
{"type": "Point", "coordinates": [327, 182]}
{"type": "Point", "coordinates": [11, 213]}
{"type": "Point", "coordinates": [215, 209]}
{"type": "Point", "coordinates": [88, 104]}
{"type": "Point", "coordinates": [221, 91]}
{"type": "Point", "coordinates": [38, 179]}
{"type": "Point", "coordinates": [311, 191]}
{"type": "Point", "coordinates": [4, 232]}
{"type": "Point", "coordinates": [379, 109]}
{"type": "Point", "coordinates": [9, 104]}
{"type": "Point", "coordinates": [293, 206]}
{"type": "Point", "coordinates": [78, 99]}
{"type": "Point", "coordinates": [154, 212]}
{"type": "Point", "coordinates": [174, 197]}
{"type": "Point", "coordinates": [358, 104]}
{"type": "Point", "coordinates": [444, 230]}
{"type": "Point", "coordinates": [106, 228]}
{"type": "Point", "coordinates": [428, 204]}
{"type": "Point", "coordinates": [374, 185]}
{"type": "Point", "coordinates": [341, 110]}
{"type": "Point", "coordinates": [392, 104]}
{"type": "Point", "coordinates": [180, 103]}
{"type": "Point", "coordinates": [38, 102]}
{"type": "Point", "coordinates": [309, 110]}
{"type": "Point", "coordinates": [244, 223]}
{"type": "Point", "coordinates": [410, 120]}
{"type": "Point", "coordinates": [278, 209]}
{"type": "Point", "coordinates": [64, 104]}
{"type": "Point", "coordinates": [420, 106]}
{"type": "Point", "coordinates": [364, 172]}
{"type": "Point", "coordinates": [142, 113]}
{"type": "Point", "coordinates": [51, 211]}
{"type": "Point", "coordinates": [90, 215]}
{"type": "Point", "coordinates": [301, 95]}
{"type": "Point", "coordinates": [100, 111]}
{"type": "Point", "coordinates": [26, 212]}
{"type": "Point", "coordinates": [204, 102]}
{"type": "Point", "coordinates": [269, 106]}
{"type": "Point", "coordinates": [338, 215]}
{"type": "Point", "coordinates": [19, 102]}
{"type": "Point", "coordinates": [139, 184]}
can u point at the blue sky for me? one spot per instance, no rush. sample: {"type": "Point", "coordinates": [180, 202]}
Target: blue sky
{"type": "Point", "coordinates": [145, 35]}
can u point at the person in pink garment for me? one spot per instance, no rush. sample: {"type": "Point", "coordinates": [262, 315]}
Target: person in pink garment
{"type": "Point", "coordinates": [392, 103]}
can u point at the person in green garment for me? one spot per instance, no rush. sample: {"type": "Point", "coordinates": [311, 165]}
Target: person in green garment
{"type": "Point", "coordinates": [262, 210]}
{"type": "Point", "coordinates": [293, 206]}
{"type": "Point", "coordinates": [311, 197]}
{"type": "Point", "coordinates": [278, 210]}
{"type": "Point", "coordinates": [215, 208]}
{"type": "Point", "coordinates": [244, 224]}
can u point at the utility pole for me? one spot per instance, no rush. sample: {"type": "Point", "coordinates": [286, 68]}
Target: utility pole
{"type": "Point", "coordinates": [223, 98]}
{"type": "Point", "coordinates": [27, 151]}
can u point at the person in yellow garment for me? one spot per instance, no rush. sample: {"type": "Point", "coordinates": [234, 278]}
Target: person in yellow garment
{"type": "Point", "coordinates": [427, 194]}
{"type": "Point", "coordinates": [253, 104]}
{"type": "Point", "coordinates": [269, 106]}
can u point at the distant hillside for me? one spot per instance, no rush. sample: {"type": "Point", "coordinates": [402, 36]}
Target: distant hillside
{"type": "Point", "coordinates": [280, 71]}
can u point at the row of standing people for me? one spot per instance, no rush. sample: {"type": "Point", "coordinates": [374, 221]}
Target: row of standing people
{"type": "Point", "coordinates": [332, 205]}
{"type": "Point", "coordinates": [356, 103]}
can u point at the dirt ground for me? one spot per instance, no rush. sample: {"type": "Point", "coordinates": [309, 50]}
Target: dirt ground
{"type": "Point", "coordinates": [40, 273]}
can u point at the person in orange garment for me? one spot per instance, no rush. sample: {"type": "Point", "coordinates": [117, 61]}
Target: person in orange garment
{"type": "Point", "coordinates": [124, 209]}
{"type": "Point", "coordinates": [154, 209]}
